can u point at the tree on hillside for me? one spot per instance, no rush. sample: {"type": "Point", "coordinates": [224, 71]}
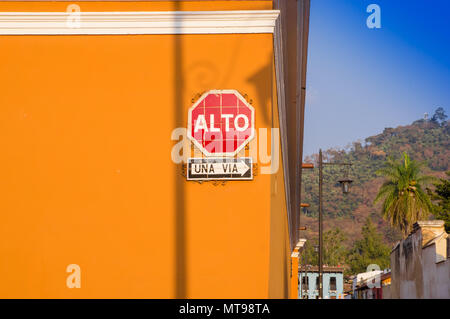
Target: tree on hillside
{"type": "Point", "coordinates": [441, 197]}
{"type": "Point", "coordinates": [439, 116]}
{"type": "Point", "coordinates": [369, 250]}
{"type": "Point", "coordinates": [334, 250]}
{"type": "Point", "coordinates": [404, 199]}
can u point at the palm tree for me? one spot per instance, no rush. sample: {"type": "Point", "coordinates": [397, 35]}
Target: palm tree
{"type": "Point", "coordinates": [405, 201]}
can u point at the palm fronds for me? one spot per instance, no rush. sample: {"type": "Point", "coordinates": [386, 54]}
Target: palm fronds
{"type": "Point", "coordinates": [403, 195]}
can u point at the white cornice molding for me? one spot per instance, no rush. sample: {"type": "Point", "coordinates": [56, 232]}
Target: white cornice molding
{"type": "Point", "coordinates": [282, 117]}
{"type": "Point", "coordinates": [156, 22]}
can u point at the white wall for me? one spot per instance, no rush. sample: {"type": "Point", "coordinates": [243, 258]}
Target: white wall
{"type": "Point", "coordinates": [420, 267]}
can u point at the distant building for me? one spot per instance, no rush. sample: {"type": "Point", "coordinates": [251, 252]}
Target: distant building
{"type": "Point", "coordinates": [371, 285]}
{"type": "Point", "coordinates": [333, 282]}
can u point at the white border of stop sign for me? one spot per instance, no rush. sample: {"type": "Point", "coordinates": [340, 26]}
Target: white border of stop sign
{"type": "Point", "coordinates": [252, 123]}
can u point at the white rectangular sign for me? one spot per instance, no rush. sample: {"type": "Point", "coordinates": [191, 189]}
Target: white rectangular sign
{"type": "Point", "coordinates": [220, 168]}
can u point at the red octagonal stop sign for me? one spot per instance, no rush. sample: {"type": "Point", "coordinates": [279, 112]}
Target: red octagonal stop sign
{"type": "Point", "coordinates": [221, 123]}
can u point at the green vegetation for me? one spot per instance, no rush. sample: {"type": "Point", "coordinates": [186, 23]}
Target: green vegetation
{"type": "Point", "coordinates": [334, 249]}
{"type": "Point", "coordinates": [404, 199]}
{"type": "Point", "coordinates": [424, 141]}
{"type": "Point", "coordinates": [369, 250]}
{"type": "Point", "coordinates": [439, 116]}
{"type": "Point", "coordinates": [441, 197]}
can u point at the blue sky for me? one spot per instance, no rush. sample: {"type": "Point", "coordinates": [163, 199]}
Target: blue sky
{"type": "Point", "coordinates": [362, 80]}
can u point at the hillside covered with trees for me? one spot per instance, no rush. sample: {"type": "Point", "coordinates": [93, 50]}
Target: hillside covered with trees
{"type": "Point", "coordinates": [424, 141]}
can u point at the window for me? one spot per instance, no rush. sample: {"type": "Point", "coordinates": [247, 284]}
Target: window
{"type": "Point", "coordinates": [305, 281]}
{"type": "Point", "coordinates": [332, 283]}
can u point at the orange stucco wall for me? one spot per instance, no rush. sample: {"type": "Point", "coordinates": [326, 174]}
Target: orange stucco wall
{"type": "Point", "coordinates": [86, 175]}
